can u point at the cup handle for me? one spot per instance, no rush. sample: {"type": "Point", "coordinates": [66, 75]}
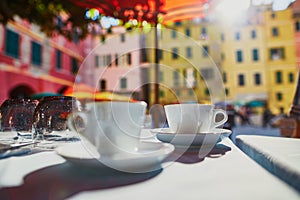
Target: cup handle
{"type": "Point", "coordinates": [215, 124]}
{"type": "Point", "coordinates": [71, 121]}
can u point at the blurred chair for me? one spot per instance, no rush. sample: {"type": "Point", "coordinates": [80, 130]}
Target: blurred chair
{"type": "Point", "coordinates": [295, 110]}
{"type": "Point", "coordinates": [295, 114]}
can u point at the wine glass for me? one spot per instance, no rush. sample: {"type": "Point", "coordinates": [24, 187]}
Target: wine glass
{"type": "Point", "coordinates": [50, 116]}
{"type": "Point", "coordinates": [16, 116]}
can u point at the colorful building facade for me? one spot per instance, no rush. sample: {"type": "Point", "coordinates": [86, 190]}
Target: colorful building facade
{"type": "Point", "coordinates": [259, 58]}
{"type": "Point", "coordinates": [31, 62]}
{"type": "Point", "coordinates": [256, 55]}
{"type": "Point", "coordinates": [189, 62]}
{"type": "Point", "coordinates": [117, 62]}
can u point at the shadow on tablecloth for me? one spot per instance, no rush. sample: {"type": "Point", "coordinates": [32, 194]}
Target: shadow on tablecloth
{"type": "Point", "coordinates": [197, 154]}
{"type": "Point", "coordinates": [65, 180]}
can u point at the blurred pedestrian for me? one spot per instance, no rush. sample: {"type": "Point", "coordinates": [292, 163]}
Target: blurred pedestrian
{"type": "Point", "coordinates": [244, 115]}
{"type": "Point", "coordinates": [231, 117]}
{"type": "Point", "coordinates": [267, 116]}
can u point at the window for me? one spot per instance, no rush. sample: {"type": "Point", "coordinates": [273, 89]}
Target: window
{"type": "Point", "coordinates": [123, 82]}
{"type": "Point", "coordinates": [237, 36]}
{"type": "Point", "coordinates": [129, 59]}
{"type": "Point", "coordinates": [12, 44]}
{"type": "Point", "coordinates": [58, 59]}
{"type": "Point", "coordinates": [178, 23]}
{"type": "Point", "coordinates": [225, 77]}
{"type": "Point", "coordinates": [206, 92]}
{"type": "Point", "coordinates": [161, 76]}
{"type": "Point", "coordinates": [291, 77]}
{"type": "Point", "coordinates": [101, 60]}
{"type": "Point", "coordinates": [74, 66]}
{"type": "Point", "coordinates": [191, 92]}
{"type": "Point", "coordinates": [222, 37]}
{"type": "Point", "coordinates": [174, 34]}
{"type": "Point", "coordinates": [239, 56]}
{"type": "Point", "coordinates": [187, 32]}
{"type": "Point", "coordinates": [188, 52]}
{"type": "Point", "coordinates": [108, 60]}
{"type": "Point", "coordinates": [160, 54]}
{"type": "Point", "coordinates": [281, 109]}
{"type": "Point", "coordinates": [276, 53]}
{"type": "Point", "coordinates": [205, 51]}
{"type": "Point", "coordinates": [97, 64]}
{"type": "Point", "coordinates": [102, 85]}
{"type": "Point", "coordinates": [273, 15]}
{"type": "Point", "coordinates": [275, 32]}
{"type": "Point", "coordinates": [144, 55]}
{"type": "Point", "coordinates": [36, 53]}
{"type": "Point", "coordinates": [161, 93]}
{"type": "Point", "coordinates": [278, 76]}
{"type": "Point", "coordinates": [176, 78]}
{"type": "Point", "coordinates": [207, 73]}
{"type": "Point", "coordinates": [241, 80]}
{"type": "Point", "coordinates": [253, 34]}
{"type": "Point", "coordinates": [222, 56]}
{"type": "Point", "coordinates": [195, 73]}
{"type": "Point", "coordinates": [203, 31]}
{"type": "Point", "coordinates": [257, 79]}
{"type": "Point", "coordinates": [297, 26]}
{"type": "Point", "coordinates": [255, 56]}
{"type": "Point", "coordinates": [122, 37]}
{"type": "Point", "coordinates": [174, 53]}
{"type": "Point", "coordinates": [227, 91]}
{"type": "Point", "coordinates": [116, 59]}
{"type": "Point", "coordinates": [279, 96]}
{"type": "Point", "coordinates": [184, 73]}
{"type": "Point", "coordinates": [203, 34]}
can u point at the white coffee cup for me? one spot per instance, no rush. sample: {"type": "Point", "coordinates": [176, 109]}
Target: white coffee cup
{"type": "Point", "coordinates": [193, 118]}
{"type": "Point", "coordinates": [112, 127]}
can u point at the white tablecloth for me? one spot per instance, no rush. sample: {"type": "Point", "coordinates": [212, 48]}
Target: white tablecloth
{"type": "Point", "coordinates": [226, 173]}
{"type": "Point", "coordinates": [279, 155]}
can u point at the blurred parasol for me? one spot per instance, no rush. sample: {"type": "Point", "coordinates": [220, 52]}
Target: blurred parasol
{"type": "Point", "coordinates": [255, 103]}
{"type": "Point", "coordinates": [80, 91]}
{"type": "Point", "coordinates": [110, 96]}
{"type": "Point", "coordinates": [44, 94]}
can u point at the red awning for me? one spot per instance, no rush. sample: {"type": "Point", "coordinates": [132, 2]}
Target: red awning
{"type": "Point", "coordinates": [148, 9]}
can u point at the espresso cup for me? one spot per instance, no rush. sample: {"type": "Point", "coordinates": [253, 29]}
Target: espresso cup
{"type": "Point", "coordinates": [112, 127]}
{"type": "Point", "coordinates": [193, 118]}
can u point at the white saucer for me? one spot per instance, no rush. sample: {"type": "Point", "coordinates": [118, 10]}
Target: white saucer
{"type": "Point", "coordinates": [148, 157]}
{"type": "Point", "coordinates": [198, 139]}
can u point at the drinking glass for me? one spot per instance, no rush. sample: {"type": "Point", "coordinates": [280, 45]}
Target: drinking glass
{"type": "Point", "coordinates": [17, 114]}
{"type": "Point", "coordinates": [51, 115]}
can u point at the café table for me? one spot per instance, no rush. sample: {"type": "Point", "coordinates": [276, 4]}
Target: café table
{"type": "Point", "coordinates": [225, 172]}
{"type": "Point", "coordinates": [279, 155]}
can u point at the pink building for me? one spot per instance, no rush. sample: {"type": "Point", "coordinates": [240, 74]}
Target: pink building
{"type": "Point", "coordinates": [32, 63]}
{"type": "Point", "coordinates": [118, 63]}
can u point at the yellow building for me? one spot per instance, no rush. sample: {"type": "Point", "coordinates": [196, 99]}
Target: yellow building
{"type": "Point", "coordinates": [255, 58]}
{"type": "Point", "coordinates": [243, 59]}
{"type": "Point", "coordinates": [280, 59]}
{"type": "Point", "coordinates": [259, 59]}
{"type": "Point", "coordinates": [189, 53]}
